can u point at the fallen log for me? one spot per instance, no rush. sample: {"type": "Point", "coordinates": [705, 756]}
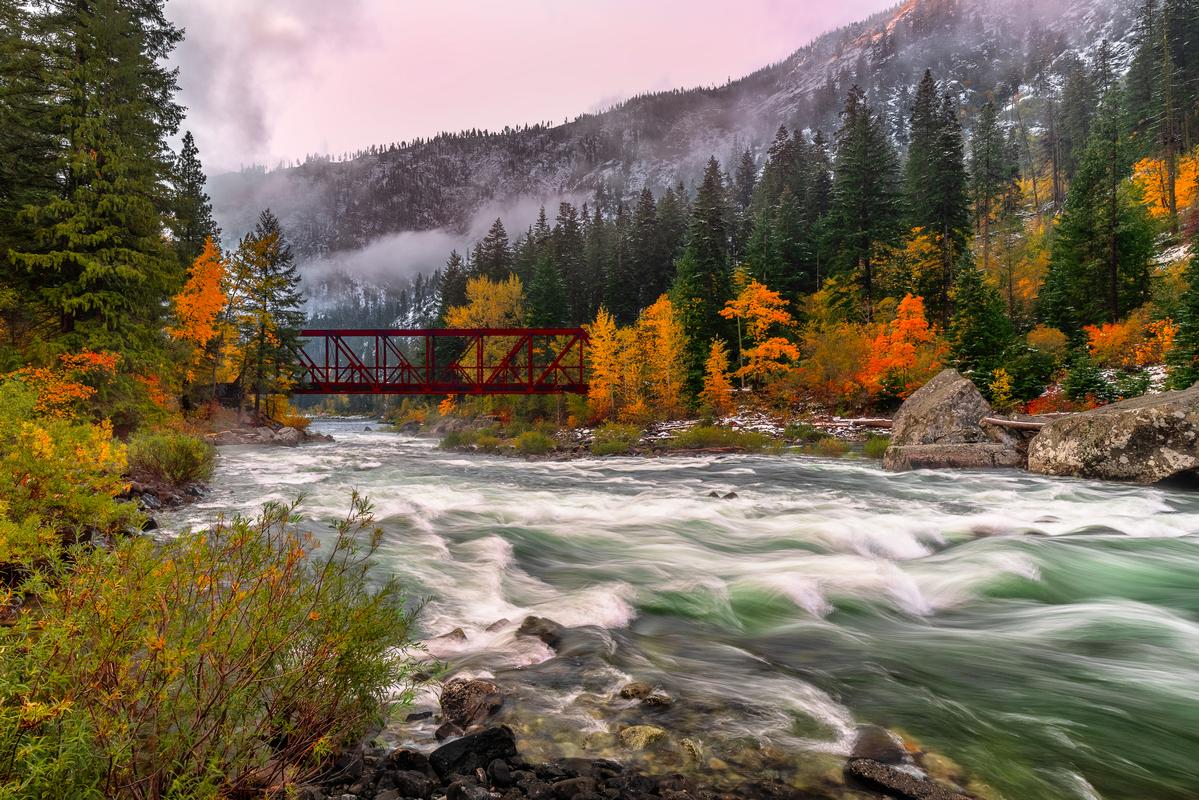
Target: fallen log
{"type": "Point", "coordinates": [865, 422]}
{"type": "Point", "coordinates": [1017, 424]}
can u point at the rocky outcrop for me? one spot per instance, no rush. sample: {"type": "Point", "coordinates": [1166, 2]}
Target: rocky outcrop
{"type": "Point", "coordinates": [1142, 440]}
{"type": "Point", "coordinates": [285, 436]}
{"type": "Point", "coordinates": [940, 427]}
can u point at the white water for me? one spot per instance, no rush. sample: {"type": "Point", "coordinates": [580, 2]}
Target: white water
{"type": "Point", "coordinates": [1044, 632]}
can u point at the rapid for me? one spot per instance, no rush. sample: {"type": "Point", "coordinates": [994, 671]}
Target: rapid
{"type": "Point", "coordinates": [1042, 633]}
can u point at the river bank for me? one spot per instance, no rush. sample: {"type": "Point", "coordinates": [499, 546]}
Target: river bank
{"type": "Point", "coordinates": [1038, 632]}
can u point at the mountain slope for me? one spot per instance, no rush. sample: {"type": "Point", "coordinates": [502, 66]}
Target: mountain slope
{"type": "Point", "coordinates": [977, 47]}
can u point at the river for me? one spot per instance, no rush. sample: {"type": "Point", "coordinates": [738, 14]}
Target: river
{"type": "Point", "coordinates": [1042, 633]}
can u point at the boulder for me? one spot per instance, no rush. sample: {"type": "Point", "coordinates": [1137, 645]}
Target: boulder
{"type": "Point", "coordinates": [477, 750]}
{"type": "Point", "coordinates": [467, 702]}
{"type": "Point", "coordinates": [543, 628]}
{"type": "Point", "coordinates": [289, 437]}
{"type": "Point", "coordinates": [639, 737]}
{"type": "Point", "coordinates": [897, 782]}
{"type": "Point", "coordinates": [940, 427]}
{"type": "Point", "coordinates": [1142, 440]}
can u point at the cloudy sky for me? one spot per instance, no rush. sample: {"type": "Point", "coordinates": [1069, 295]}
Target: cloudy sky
{"type": "Point", "coordinates": [269, 81]}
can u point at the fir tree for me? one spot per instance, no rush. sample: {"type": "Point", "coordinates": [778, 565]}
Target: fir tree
{"type": "Point", "coordinates": [865, 201]}
{"type": "Point", "coordinates": [936, 182]}
{"type": "Point", "coordinates": [582, 293]}
{"type": "Point", "coordinates": [99, 261]}
{"type": "Point", "coordinates": [192, 223]}
{"type": "Point", "coordinates": [649, 269]}
{"type": "Point", "coordinates": [493, 255]}
{"type": "Point", "coordinates": [980, 332]}
{"type": "Point", "coordinates": [991, 173]}
{"type": "Point", "coordinates": [266, 275]}
{"type": "Point", "coordinates": [702, 282]}
{"type": "Point", "coordinates": [546, 295]}
{"type": "Point", "coordinates": [1183, 358]}
{"type": "Point", "coordinates": [453, 284]}
{"type": "Point", "coordinates": [1099, 269]}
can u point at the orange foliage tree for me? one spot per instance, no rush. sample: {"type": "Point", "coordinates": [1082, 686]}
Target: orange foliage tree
{"type": "Point", "coordinates": [603, 375]}
{"type": "Point", "coordinates": [199, 304]}
{"type": "Point", "coordinates": [637, 373]}
{"type": "Point", "coordinates": [832, 372]}
{"type": "Point", "coordinates": [64, 389]}
{"type": "Point", "coordinates": [717, 393]}
{"type": "Point", "coordinates": [759, 310]}
{"type": "Point", "coordinates": [907, 353]}
{"type": "Point", "coordinates": [1136, 341]}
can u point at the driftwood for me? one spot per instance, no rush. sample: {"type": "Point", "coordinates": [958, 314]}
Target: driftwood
{"type": "Point", "coordinates": [1017, 424]}
{"type": "Point", "coordinates": [866, 423]}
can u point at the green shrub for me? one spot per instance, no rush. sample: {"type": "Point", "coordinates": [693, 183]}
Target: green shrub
{"type": "Point", "coordinates": [209, 665]}
{"type": "Point", "coordinates": [702, 437]}
{"type": "Point", "coordinates": [876, 446]}
{"type": "Point", "coordinates": [488, 442]}
{"type": "Point", "coordinates": [458, 440]}
{"type": "Point", "coordinates": [535, 443]}
{"type": "Point", "coordinates": [830, 446]}
{"type": "Point", "coordinates": [612, 439]}
{"type": "Point", "coordinates": [803, 432]}
{"type": "Point", "coordinates": [175, 458]}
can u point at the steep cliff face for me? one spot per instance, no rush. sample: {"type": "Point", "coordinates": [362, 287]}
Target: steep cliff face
{"type": "Point", "coordinates": [982, 48]}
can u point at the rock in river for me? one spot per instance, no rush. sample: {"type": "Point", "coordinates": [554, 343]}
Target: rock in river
{"type": "Point", "coordinates": [1142, 440]}
{"type": "Point", "coordinates": [468, 702]}
{"type": "Point", "coordinates": [940, 427]}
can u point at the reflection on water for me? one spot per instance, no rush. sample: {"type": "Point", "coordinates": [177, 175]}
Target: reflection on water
{"type": "Point", "coordinates": [1043, 632]}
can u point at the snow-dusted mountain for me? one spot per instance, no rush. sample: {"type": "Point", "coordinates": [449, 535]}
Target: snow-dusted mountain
{"type": "Point", "coordinates": [407, 204]}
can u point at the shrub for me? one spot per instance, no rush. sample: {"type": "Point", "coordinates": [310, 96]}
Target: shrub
{"type": "Point", "coordinates": [802, 432]}
{"type": "Point", "coordinates": [876, 446]}
{"type": "Point", "coordinates": [58, 481]}
{"type": "Point", "coordinates": [829, 446]}
{"type": "Point", "coordinates": [457, 440]}
{"type": "Point", "coordinates": [1049, 341]}
{"type": "Point", "coordinates": [488, 442]}
{"type": "Point", "coordinates": [535, 443]}
{"type": "Point", "coordinates": [214, 664]}
{"type": "Point", "coordinates": [703, 436]}
{"type": "Point", "coordinates": [174, 458]}
{"type": "Point", "coordinates": [614, 439]}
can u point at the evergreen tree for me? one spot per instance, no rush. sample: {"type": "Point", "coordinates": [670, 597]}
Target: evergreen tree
{"type": "Point", "coordinates": [453, 284]}
{"type": "Point", "coordinates": [936, 182]}
{"type": "Point", "coordinates": [546, 295]}
{"type": "Point", "coordinates": [980, 332]}
{"type": "Point", "coordinates": [192, 223]}
{"type": "Point", "coordinates": [582, 292]}
{"type": "Point", "coordinates": [1183, 358]}
{"type": "Point", "coordinates": [99, 262]}
{"type": "Point", "coordinates": [702, 283]}
{"type": "Point", "coordinates": [865, 201]}
{"type": "Point", "coordinates": [266, 273]}
{"type": "Point", "coordinates": [600, 238]}
{"type": "Point", "coordinates": [1099, 268]}
{"type": "Point", "coordinates": [672, 231]}
{"type": "Point", "coordinates": [493, 255]}
{"type": "Point", "coordinates": [649, 269]}
{"type": "Point", "coordinates": [742, 187]}
{"type": "Point", "coordinates": [991, 173]}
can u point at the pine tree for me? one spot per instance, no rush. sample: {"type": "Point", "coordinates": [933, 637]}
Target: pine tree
{"type": "Point", "coordinates": [493, 255]}
{"type": "Point", "coordinates": [582, 293]}
{"type": "Point", "coordinates": [1183, 358]}
{"type": "Point", "coordinates": [936, 182]}
{"type": "Point", "coordinates": [1099, 268]}
{"type": "Point", "coordinates": [648, 268]}
{"type": "Point", "coordinates": [546, 295]}
{"type": "Point", "coordinates": [980, 331]}
{"type": "Point", "coordinates": [865, 202]}
{"type": "Point", "coordinates": [990, 174]}
{"type": "Point", "coordinates": [99, 262]}
{"type": "Point", "coordinates": [192, 223]}
{"type": "Point", "coordinates": [453, 284]}
{"type": "Point", "coordinates": [702, 283]}
{"type": "Point", "coordinates": [271, 316]}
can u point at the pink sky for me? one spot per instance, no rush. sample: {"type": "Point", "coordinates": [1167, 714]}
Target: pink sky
{"type": "Point", "coordinates": [266, 81]}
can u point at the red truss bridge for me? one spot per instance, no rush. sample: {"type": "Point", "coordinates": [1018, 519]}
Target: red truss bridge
{"type": "Point", "coordinates": [442, 361]}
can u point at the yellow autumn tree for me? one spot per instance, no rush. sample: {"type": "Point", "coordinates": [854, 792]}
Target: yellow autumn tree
{"type": "Point", "coordinates": [489, 304]}
{"type": "Point", "coordinates": [717, 393]}
{"type": "Point", "coordinates": [759, 311]}
{"type": "Point", "coordinates": [604, 373]}
{"type": "Point", "coordinates": [198, 305]}
{"type": "Point", "coordinates": [662, 342]}
{"type": "Point", "coordinates": [1152, 176]}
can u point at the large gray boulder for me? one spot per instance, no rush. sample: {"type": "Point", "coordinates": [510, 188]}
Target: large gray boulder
{"type": "Point", "coordinates": [1142, 440]}
{"type": "Point", "coordinates": [939, 427]}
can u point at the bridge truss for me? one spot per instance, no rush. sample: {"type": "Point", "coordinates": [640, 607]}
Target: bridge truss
{"type": "Point", "coordinates": [510, 361]}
